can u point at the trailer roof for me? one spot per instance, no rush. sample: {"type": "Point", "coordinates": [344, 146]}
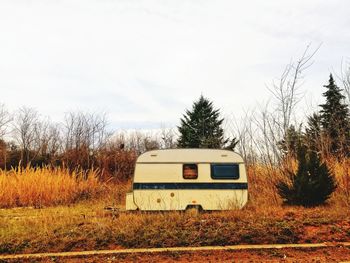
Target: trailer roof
{"type": "Point", "coordinates": [190, 156]}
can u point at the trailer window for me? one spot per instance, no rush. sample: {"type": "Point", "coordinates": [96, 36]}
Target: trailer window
{"type": "Point", "coordinates": [224, 171]}
{"type": "Point", "coordinates": [190, 171]}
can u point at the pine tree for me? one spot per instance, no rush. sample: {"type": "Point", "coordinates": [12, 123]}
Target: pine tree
{"type": "Point", "coordinates": [201, 127]}
{"type": "Point", "coordinates": [313, 183]}
{"type": "Point", "coordinates": [313, 133]}
{"type": "Point", "coordinates": [335, 119]}
{"type": "Point", "coordinates": [289, 144]}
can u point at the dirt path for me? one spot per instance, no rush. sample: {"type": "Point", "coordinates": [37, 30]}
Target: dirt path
{"type": "Point", "coordinates": [326, 252]}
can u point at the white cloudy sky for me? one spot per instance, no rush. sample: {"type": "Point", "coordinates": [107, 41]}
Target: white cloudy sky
{"type": "Point", "coordinates": [144, 61]}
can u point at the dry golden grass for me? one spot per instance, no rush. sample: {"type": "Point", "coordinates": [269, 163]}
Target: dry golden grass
{"type": "Point", "coordinates": [55, 186]}
{"type": "Point", "coordinates": [46, 187]}
{"type": "Point", "coordinates": [341, 170]}
{"type": "Point", "coordinates": [85, 225]}
{"type": "Point", "coordinates": [262, 180]}
{"type": "Point", "coordinates": [261, 186]}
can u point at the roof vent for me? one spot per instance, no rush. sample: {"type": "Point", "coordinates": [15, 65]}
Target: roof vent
{"type": "Point", "coordinates": [153, 155]}
{"type": "Point", "coordinates": [223, 155]}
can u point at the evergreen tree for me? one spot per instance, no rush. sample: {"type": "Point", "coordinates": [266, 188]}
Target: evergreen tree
{"type": "Point", "coordinates": [201, 127]}
{"type": "Point", "coordinates": [312, 184]}
{"type": "Point", "coordinates": [313, 133]}
{"type": "Point", "coordinates": [289, 144]}
{"type": "Point", "coordinates": [335, 119]}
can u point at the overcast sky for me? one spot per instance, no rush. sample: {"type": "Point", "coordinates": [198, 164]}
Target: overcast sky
{"type": "Point", "coordinates": [145, 62]}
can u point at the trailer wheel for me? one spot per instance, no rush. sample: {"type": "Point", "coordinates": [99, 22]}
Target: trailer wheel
{"type": "Point", "coordinates": [194, 209]}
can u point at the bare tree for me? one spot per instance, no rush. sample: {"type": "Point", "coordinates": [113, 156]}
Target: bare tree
{"type": "Point", "coordinates": [5, 119]}
{"type": "Point", "coordinates": [84, 134]}
{"type": "Point", "coordinates": [285, 96]}
{"type": "Point", "coordinates": [345, 78]}
{"type": "Point", "coordinates": [54, 141]}
{"type": "Point", "coordinates": [24, 131]}
{"type": "Point", "coordinates": [286, 92]}
{"type": "Point", "coordinates": [47, 141]}
{"type": "Point", "coordinates": [168, 138]}
{"type": "Point", "coordinates": [261, 130]}
{"type": "Point", "coordinates": [245, 132]}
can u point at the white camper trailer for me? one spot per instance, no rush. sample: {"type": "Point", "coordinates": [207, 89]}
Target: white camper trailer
{"type": "Point", "coordinates": [181, 178]}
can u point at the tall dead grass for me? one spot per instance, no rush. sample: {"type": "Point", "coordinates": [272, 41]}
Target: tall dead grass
{"type": "Point", "coordinates": [261, 186]}
{"type": "Point", "coordinates": [86, 225]}
{"type": "Point", "coordinates": [57, 186]}
{"type": "Point", "coordinates": [341, 170]}
{"type": "Point", "coordinates": [263, 178]}
{"type": "Point", "coordinates": [46, 187]}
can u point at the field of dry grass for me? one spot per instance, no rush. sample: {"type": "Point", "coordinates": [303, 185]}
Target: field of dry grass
{"type": "Point", "coordinates": [47, 187]}
{"type": "Point", "coordinates": [71, 215]}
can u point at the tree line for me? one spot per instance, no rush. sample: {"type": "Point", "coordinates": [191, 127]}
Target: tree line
{"type": "Point", "coordinates": [81, 141]}
{"type": "Point", "coordinates": [82, 138]}
{"type": "Point", "coordinates": [269, 134]}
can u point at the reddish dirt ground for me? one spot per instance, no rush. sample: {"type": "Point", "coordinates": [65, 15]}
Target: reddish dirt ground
{"type": "Point", "coordinates": [330, 254]}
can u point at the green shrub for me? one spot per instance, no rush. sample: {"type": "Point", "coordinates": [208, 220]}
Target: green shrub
{"type": "Point", "coordinates": [311, 185]}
